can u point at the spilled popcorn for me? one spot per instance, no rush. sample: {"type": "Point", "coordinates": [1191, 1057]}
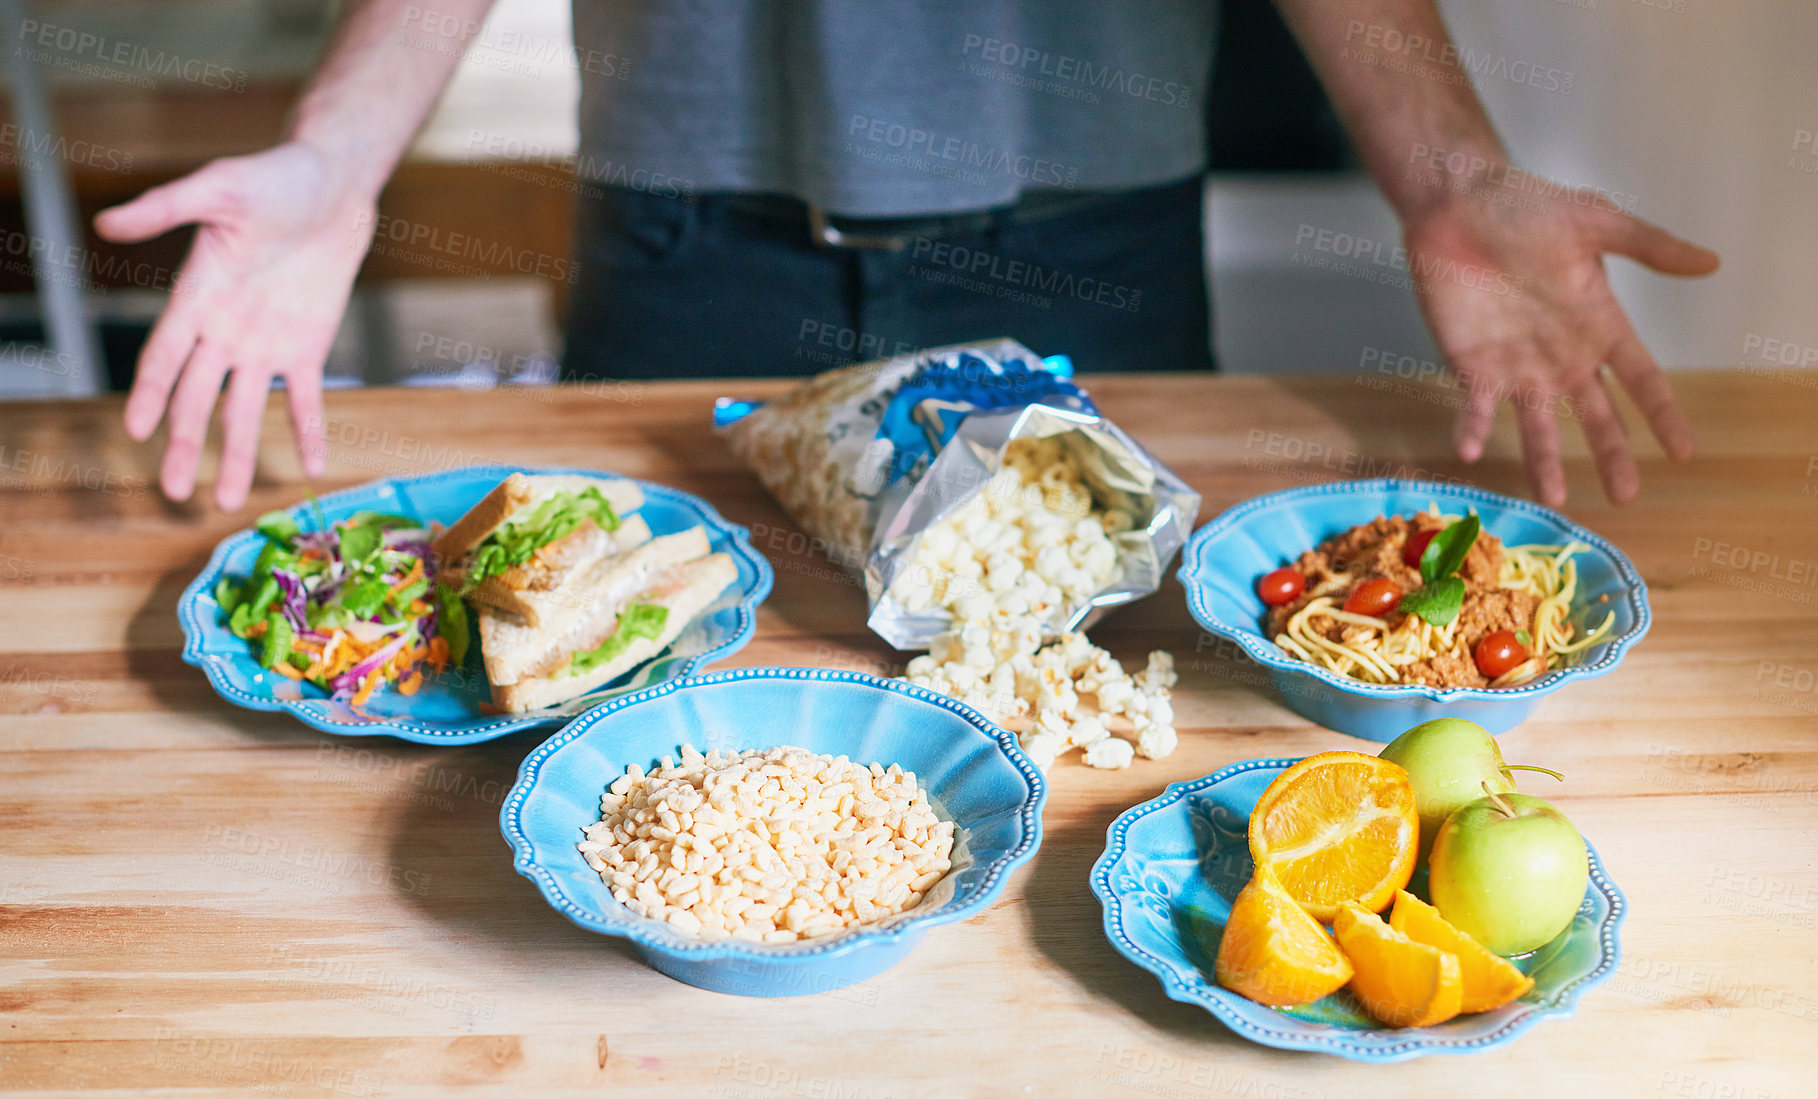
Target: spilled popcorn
{"type": "Point", "coordinates": [1064, 695]}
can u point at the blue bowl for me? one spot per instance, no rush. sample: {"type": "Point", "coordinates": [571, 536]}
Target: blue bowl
{"type": "Point", "coordinates": [1172, 867]}
{"type": "Point", "coordinates": [1224, 559]}
{"type": "Point", "coordinates": [973, 771]}
{"type": "Point", "coordinates": [447, 708]}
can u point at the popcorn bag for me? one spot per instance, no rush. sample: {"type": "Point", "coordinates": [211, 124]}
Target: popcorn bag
{"type": "Point", "coordinates": [970, 483]}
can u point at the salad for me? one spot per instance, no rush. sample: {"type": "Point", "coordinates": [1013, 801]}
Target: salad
{"type": "Point", "coordinates": [348, 607]}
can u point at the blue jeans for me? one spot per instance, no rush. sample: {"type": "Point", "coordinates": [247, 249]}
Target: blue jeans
{"type": "Point", "coordinates": [729, 286]}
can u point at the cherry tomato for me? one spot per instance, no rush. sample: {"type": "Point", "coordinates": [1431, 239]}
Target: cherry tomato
{"type": "Point", "coordinates": [1415, 546]}
{"type": "Point", "coordinates": [1282, 586]}
{"type": "Point", "coordinates": [1499, 653]}
{"type": "Point", "coordinates": [1373, 597]}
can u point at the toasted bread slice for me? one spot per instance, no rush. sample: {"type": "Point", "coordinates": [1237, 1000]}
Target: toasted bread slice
{"type": "Point", "coordinates": [685, 589]}
{"type": "Point", "coordinates": [519, 491]}
{"type": "Point", "coordinates": [514, 648]}
{"type": "Point", "coordinates": [549, 580]}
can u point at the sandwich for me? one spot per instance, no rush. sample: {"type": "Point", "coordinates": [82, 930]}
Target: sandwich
{"type": "Point", "coordinates": [618, 613]}
{"type": "Point", "coordinates": [527, 544]}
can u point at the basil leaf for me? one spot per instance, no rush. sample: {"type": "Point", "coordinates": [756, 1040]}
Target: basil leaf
{"type": "Point", "coordinates": [360, 542]}
{"type": "Point", "coordinates": [278, 526]}
{"type": "Point", "coordinates": [1438, 602]}
{"type": "Point", "coordinates": [451, 623]}
{"type": "Point", "coordinates": [640, 621]}
{"type": "Point", "coordinates": [363, 598]}
{"type": "Point", "coordinates": [415, 588]}
{"type": "Point", "coordinates": [277, 640]}
{"type": "Point", "coordinates": [1446, 552]}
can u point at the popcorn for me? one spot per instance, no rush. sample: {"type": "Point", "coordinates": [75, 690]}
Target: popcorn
{"type": "Point", "coordinates": [1110, 753]}
{"type": "Point", "coordinates": [1002, 669]}
{"type": "Point", "coordinates": [1030, 545]}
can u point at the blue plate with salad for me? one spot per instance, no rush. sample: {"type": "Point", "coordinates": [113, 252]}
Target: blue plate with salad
{"type": "Point", "coordinates": [334, 610]}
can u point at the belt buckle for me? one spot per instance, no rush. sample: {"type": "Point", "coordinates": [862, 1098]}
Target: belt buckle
{"type": "Point", "coordinates": [824, 233]}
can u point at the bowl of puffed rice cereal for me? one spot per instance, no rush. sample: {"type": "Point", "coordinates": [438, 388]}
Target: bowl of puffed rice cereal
{"type": "Point", "coordinates": [774, 831]}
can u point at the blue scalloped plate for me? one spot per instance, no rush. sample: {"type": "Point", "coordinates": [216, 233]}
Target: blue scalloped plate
{"type": "Point", "coordinates": [1172, 867]}
{"type": "Point", "coordinates": [446, 710]}
{"type": "Point", "coordinates": [1224, 559]}
{"type": "Point", "coordinates": [974, 773]}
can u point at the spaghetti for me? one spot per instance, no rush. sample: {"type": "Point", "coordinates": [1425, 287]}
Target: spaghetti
{"type": "Point", "coordinates": [1516, 598]}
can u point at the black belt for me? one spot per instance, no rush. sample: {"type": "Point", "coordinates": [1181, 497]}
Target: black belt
{"type": "Point", "coordinates": [828, 230]}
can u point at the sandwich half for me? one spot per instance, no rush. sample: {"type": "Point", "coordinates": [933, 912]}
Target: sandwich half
{"type": "Point", "coordinates": [632, 608]}
{"type": "Point", "coordinates": [525, 547]}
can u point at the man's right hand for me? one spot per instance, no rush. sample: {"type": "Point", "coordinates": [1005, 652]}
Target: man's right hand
{"type": "Point", "coordinates": [280, 236]}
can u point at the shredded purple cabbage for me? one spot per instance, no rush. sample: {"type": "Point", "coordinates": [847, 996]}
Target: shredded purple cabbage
{"type": "Point", "coordinates": [294, 600]}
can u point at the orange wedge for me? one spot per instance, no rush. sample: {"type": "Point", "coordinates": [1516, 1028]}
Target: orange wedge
{"type": "Point", "coordinates": [1399, 981]}
{"type": "Point", "coordinates": [1489, 981]}
{"type": "Point", "coordinates": [1273, 952]}
{"type": "Point", "coordinates": [1337, 827]}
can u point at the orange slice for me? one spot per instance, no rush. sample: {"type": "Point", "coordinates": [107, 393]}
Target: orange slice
{"type": "Point", "coordinates": [1273, 952]}
{"type": "Point", "coordinates": [1489, 981]}
{"type": "Point", "coordinates": [1399, 981]}
{"type": "Point", "coordinates": [1337, 827]}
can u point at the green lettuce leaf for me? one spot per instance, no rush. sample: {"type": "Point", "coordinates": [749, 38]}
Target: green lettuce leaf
{"type": "Point", "coordinates": [278, 526]}
{"type": "Point", "coordinates": [641, 621]}
{"type": "Point", "coordinates": [557, 517]}
{"type": "Point", "coordinates": [451, 623]}
{"type": "Point", "coordinates": [363, 598]}
{"type": "Point", "coordinates": [278, 638]}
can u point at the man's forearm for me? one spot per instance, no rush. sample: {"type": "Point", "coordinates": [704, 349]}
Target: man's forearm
{"type": "Point", "coordinates": [1395, 78]}
{"type": "Point", "coordinates": [380, 74]}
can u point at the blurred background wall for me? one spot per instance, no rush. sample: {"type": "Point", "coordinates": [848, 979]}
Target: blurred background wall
{"type": "Point", "coordinates": [1696, 114]}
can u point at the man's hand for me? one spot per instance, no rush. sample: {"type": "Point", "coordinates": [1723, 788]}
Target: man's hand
{"type": "Point", "coordinates": [1513, 290]}
{"type": "Point", "coordinates": [260, 297]}
{"type": "Point", "coordinates": [1517, 299]}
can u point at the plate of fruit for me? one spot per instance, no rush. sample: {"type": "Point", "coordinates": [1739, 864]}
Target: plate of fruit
{"type": "Point", "coordinates": [1373, 907]}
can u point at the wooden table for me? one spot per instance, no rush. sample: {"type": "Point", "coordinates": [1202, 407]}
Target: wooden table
{"type": "Point", "coordinates": [206, 899]}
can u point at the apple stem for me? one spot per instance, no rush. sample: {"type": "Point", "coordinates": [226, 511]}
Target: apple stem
{"type": "Point", "coordinates": [1531, 767]}
{"type": "Point", "coordinates": [1502, 806]}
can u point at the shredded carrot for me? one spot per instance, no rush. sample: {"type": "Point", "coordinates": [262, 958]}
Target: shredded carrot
{"type": "Point", "coordinates": [373, 679]}
{"type": "Point", "coordinates": [257, 629]}
{"type": "Point", "coordinates": [307, 646]}
{"type": "Point", "coordinates": [438, 652]}
{"type": "Point", "coordinates": [487, 708]}
{"type": "Point", "coordinates": [409, 578]}
{"type": "Point", "coordinates": [284, 667]}
{"type": "Point", "coordinates": [417, 606]}
{"type": "Point", "coordinates": [410, 683]}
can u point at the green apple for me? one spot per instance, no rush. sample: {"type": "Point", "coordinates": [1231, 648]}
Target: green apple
{"type": "Point", "coordinates": [1448, 760]}
{"type": "Point", "coordinates": [1509, 871]}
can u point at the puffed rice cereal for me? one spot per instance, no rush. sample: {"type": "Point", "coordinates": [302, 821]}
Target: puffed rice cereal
{"type": "Point", "coordinates": [767, 846]}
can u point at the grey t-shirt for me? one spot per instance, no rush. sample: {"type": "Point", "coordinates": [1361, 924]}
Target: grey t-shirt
{"type": "Point", "coordinates": [892, 107]}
